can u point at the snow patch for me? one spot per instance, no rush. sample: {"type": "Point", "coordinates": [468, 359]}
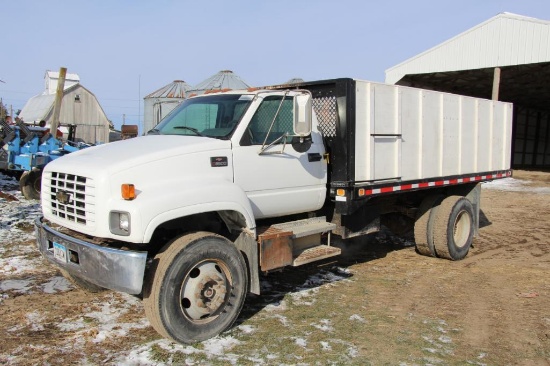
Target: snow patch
{"type": "Point", "coordinates": [358, 318]}
{"type": "Point", "coordinates": [34, 320]}
{"type": "Point", "coordinates": [57, 284]}
{"type": "Point", "coordinates": [218, 345]}
{"type": "Point", "coordinates": [246, 329]}
{"type": "Point", "coordinates": [514, 185]}
{"type": "Point", "coordinates": [311, 286]}
{"type": "Point", "coordinates": [301, 342]}
{"type": "Point", "coordinates": [19, 286]}
{"type": "Point", "coordinates": [17, 265]}
{"type": "Point", "coordinates": [324, 325]}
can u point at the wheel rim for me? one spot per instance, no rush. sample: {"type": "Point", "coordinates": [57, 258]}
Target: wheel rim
{"type": "Point", "coordinates": [205, 291]}
{"type": "Point", "coordinates": [461, 229]}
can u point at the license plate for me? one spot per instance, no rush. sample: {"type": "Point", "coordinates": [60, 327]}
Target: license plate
{"type": "Point", "coordinates": [60, 252]}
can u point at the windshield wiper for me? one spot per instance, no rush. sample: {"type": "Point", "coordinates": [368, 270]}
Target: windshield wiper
{"type": "Point", "coordinates": [154, 131]}
{"type": "Point", "coordinates": [190, 129]}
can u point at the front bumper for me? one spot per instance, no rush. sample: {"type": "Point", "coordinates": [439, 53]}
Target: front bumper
{"type": "Point", "coordinates": [115, 269]}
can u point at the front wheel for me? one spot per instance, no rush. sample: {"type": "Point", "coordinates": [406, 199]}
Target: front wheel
{"type": "Point", "coordinates": [197, 289]}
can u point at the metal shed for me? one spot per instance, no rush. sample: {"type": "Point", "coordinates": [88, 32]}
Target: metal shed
{"type": "Point", "coordinates": [161, 102]}
{"type": "Point", "coordinates": [79, 106]}
{"type": "Point", "coordinates": [506, 58]}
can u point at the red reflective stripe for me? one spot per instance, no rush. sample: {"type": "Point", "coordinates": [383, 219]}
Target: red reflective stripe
{"type": "Point", "coordinates": [436, 183]}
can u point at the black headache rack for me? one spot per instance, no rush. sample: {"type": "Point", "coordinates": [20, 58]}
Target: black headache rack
{"type": "Point", "coordinates": [334, 104]}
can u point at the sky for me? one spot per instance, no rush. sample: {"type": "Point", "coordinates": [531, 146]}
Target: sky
{"type": "Point", "coordinates": [123, 50]}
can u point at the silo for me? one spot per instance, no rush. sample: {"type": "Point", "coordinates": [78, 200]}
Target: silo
{"type": "Point", "coordinates": [223, 80]}
{"type": "Point", "coordinates": [161, 102]}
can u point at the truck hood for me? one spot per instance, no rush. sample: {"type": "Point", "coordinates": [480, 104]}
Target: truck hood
{"type": "Point", "coordinates": [121, 155]}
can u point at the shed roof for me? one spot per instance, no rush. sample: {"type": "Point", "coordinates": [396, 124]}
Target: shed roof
{"type": "Point", "coordinates": [465, 64]}
{"type": "Point", "coordinates": [504, 40]}
{"type": "Point", "coordinates": [176, 89]}
{"type": "Point", "coordinates": [225, 79]}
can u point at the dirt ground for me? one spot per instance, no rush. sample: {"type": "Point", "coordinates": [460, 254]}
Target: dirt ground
{"type": "Point", "coordinates": [380, 303]}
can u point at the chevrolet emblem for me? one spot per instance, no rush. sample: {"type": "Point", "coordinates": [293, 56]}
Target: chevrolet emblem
{"type": "Point", "coordinates": [63, 197]}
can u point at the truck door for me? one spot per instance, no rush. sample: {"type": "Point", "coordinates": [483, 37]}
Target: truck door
{"type": "Point", "coordinates": [281, 179]}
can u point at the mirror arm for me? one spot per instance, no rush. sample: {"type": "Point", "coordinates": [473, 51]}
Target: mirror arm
{"type": "Point", "coordinates": [264, 147]}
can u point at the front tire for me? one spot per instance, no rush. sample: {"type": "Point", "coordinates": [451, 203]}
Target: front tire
{"type": "Point", "coordinates": [197, 289]}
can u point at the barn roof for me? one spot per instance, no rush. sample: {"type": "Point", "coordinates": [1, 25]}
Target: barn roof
{"type": "Point", "coordinates": [37, 107]}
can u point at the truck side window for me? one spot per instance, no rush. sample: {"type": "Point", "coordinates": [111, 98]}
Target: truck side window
{"type": "Point", "coordinates": [261, 121]}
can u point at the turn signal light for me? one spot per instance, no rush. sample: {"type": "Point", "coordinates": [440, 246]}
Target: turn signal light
{"type": "Point", "coordinates": [128, 191]}
{"type": "Point", "coordinates": [340, 192]}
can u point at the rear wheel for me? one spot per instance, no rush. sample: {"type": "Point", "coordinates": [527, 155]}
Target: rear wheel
{"type": "Point", "coordinates": [454, 228]}
{"type": "Point", "coordinates": [197, 289]}
{"type": "Point", "coordinates": [423, 227]}
{"type": "Point", "coordinates": [30, 184]}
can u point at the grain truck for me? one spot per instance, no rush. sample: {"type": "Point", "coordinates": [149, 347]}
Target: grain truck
{"type": "Point", "coordinates": [233, 184]}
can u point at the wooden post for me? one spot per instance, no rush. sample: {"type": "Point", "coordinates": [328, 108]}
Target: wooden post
{"type": "Point", "coordinates": [58, 99]}
{"type": "Point", "coordinates": [496, 83]}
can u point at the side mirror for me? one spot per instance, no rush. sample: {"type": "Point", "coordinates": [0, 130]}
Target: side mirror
{"type": "Point", "coordinates": [302, 115]}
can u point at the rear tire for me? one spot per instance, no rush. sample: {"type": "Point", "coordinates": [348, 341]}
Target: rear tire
{"type": "Point", "coordinates": [423, 227]}
{"type": "Point", "coordinates": [197, 289]}
{"type": "Point", "coordinates": [30, 184]}
{"type": "Point", "coordinates": [454, 228]}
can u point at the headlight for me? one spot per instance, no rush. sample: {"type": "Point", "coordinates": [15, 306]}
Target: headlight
{"type": "Point", "coordinates": [120, 223]}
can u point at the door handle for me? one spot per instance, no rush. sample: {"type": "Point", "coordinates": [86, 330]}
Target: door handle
{"type": "Point", "coordinates": [314, 157]}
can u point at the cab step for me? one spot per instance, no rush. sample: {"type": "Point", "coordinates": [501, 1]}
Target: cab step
{"type": "Point", "coordinates": [295, 243]}
{"type": "Point", "coordinates": [314, 254]}
{"type": "Point", "coordinates": [306, 227]}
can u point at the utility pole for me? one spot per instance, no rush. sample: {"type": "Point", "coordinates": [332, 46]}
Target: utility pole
{"type": "Point", "coordinates": [58, 99]}
{"type": "Point", "coordinates": [123, 119]}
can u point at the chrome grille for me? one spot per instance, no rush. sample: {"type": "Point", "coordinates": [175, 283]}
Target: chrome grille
{"type": "Point", "coordinates": [68, 197]}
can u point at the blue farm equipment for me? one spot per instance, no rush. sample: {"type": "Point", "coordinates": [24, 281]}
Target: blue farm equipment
{"type": "Point", "coordinates": [25, 150]}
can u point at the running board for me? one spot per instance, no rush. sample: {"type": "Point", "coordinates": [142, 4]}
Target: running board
{"type": "Point", "coordinates": [315, 254]}
{"type": "Point", "coordinates": [295, 243]}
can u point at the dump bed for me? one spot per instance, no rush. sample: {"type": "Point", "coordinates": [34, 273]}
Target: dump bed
{"type": "Point", "coordinates": [386, 138]}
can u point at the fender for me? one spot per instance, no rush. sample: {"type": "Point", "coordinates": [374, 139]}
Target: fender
{"type": "Point", "coordinates": [197, 197]}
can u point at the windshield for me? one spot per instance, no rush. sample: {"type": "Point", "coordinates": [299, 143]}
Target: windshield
{"type": "Point", "coordinates": [210, 116]}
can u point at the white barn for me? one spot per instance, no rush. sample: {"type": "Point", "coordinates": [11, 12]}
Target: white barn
{"type": "Point", "coordinates": [79, 106]}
